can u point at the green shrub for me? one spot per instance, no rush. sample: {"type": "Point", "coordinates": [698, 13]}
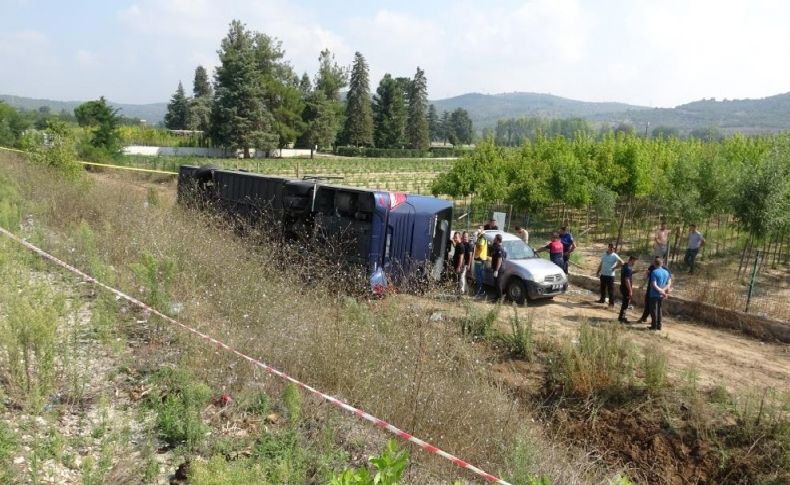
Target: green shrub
{"type": "Point", "coordinates": [389, 468]}
{"type": "Point", "coordinates": [28, 332]}
{"type": "Point", "coordinates": [219, 471]}
{"type": "Point", "coordinates": [654, 366]}
{"type": "Point", "coordinates": [178, 408]}
{"type": "Point", "coordinates": [521, 339]}
{"type": "Point", "coordinates": [292, 400]}
{"type": "Point", "coordinates": [8, 446]}
{"type": "Point", "coordinates": [600, 363]}
{"type": "Point", "coordinates": [10, 213]}
{"type": "Point", "coordinates": [477, 324]}
{"type": "Point", "coordinates": [155, 276]}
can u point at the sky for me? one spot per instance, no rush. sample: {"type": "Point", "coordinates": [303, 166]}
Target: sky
{"type": "Point", "coordinates": [651, 53]}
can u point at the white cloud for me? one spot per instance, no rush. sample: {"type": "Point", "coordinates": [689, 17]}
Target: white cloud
{"type": "Point", "coordinates": [640, 51]}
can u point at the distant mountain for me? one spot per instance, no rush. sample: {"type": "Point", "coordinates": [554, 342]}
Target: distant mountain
{"type": "Point", "coordinates": [486, 109]}
{"type": "Point", "coordinates": [152, 113]}
{"type": "Point", "coordinates": [746, 116]}
{"type": "Point", "coordinates": [768, 114]}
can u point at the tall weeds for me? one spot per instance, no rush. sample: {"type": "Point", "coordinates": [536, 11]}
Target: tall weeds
{"type": "Point", "coordinates": [252, 293]}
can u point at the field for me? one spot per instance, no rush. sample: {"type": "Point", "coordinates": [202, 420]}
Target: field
{"type": "Point", "coordinates": [413, 175]}
{"type": "Point", "coordinates": [523, 393]}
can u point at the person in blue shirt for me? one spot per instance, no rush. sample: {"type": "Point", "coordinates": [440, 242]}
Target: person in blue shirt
{"type": "Point", "coordinates": [568, 246]}
{"type": "Point", "coordinates": [626, 287]}
{"type": "Point", "coordinates": [606, 270]}
{"type": "Point", "coordinates": [660, 286]}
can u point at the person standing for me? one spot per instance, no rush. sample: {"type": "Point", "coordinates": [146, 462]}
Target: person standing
{"type": "Point", "coordinates": [660, 285]}
{"type": "Point", "coordinates": [480, 257]}
{"type": "Point", "coordinates": [568, 246]}
{"type": "Point", "coordinates": [491, 226]}
{"type": "Point", "coordinates": [626, 287]}
{"type": "Point", "coordinates": [646, 311]}
{"type": "Point", "coordinates": [468, 252]}
{"type": "Point", "coordinates": [606, 271]}
{"type": "Point", "coordinates": [555, 250]}
{"type": "Point", "coordinates": [497, 253]}
{"type": "Point", "coordinates": [696, 241]}
{"type": "Point", "coordinates": [459, 262]}
{"type": "Point", "coordinates": [661, 242]}
{"type": "Point", "coordinates": [522, 234]}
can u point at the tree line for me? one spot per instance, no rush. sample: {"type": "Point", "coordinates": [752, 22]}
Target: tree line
{"type": "Point", "coordinates": [258, 101]}
{"type": "Point", "coordinates": [685, 180]}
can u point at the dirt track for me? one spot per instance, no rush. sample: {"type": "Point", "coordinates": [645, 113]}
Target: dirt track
{"type": "Point", "coordinates": [718, 356]}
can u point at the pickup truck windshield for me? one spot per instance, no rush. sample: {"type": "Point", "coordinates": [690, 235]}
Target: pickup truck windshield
{"type": "Point", "coordinates": [516, 249]}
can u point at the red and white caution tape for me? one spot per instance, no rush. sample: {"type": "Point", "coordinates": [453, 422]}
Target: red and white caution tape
{"type": "Point", "coordinates": [337, 402]}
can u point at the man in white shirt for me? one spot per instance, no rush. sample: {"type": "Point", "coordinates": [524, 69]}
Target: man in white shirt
{"type": "Point", "coordinates": [661, 242]}
{"type": "Point", "coordinates": [696, 241]}
{"type": "Point", "coordinates": [606, 270]}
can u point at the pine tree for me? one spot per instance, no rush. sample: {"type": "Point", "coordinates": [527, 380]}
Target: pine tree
{"type": "Point", "coordinates": [305, 85]}
{"type": "Point", "coordinates": [201, 86]}
{"type": "Point", "coordinates": [321, 121]}
{"type": "Point", "coordinates": [358, 129]}
{"type": "Point", "coordinates": [389, 114]}
{"type": "Point", "coordinates": [444, 127]}
{"type": "Point", "coordinates": [434, 124]}
{"type": "Point", "coordinates": [331, 77]}
{"type": "Point", "coordinates": [460, 129]}
{"type": "Point", "coordinates": [417, 126]}
{"type": "Point", "coordinates": [177, 115]}
{"type": "Point", "coordinates": [240, 117]}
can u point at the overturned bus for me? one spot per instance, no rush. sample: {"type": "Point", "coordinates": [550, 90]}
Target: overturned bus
{"type": "Point", "coordinates": [396, 237]}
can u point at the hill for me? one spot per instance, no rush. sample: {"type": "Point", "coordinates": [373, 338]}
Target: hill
{"type": "Point", "coordinates": [768, 114]}
{"type": "Point", "coordinates": [153, 113]}
{"type": "Point", "coordinates": [486, 109]}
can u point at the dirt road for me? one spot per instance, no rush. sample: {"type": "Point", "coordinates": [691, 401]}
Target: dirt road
{"type": "Point", "coordinates": [719, 357]}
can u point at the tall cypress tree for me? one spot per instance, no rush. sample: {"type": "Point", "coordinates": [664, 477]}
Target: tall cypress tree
{"type": "Point", "coordinates": [177, 115]}
{"type": "Point", "coordinates": [417, 126]}
{"type": "Point", "coordinates": [434, 124]}
{"type": "Point", "coordinates": [358, 129]}
{"type": "Point", "coordinates": [389, 114]}
{"type": "Point", "coordinates": [201, 87]}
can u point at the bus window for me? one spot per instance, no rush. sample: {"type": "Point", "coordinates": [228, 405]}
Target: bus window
{"type": "Point", "coordinates": [441, 236]}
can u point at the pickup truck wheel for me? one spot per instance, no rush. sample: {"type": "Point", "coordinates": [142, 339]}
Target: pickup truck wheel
{"type": "Point", "coordinates": [517, 291]}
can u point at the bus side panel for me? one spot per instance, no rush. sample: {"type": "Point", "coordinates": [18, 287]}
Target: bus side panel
{"type": "Point", "coordinates": [248, 196]}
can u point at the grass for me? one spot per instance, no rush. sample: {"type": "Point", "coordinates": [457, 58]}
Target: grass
{"type": "Point", "coordinates": [601, 363]}
{"type": "Point", "coordinates": [238, 291]}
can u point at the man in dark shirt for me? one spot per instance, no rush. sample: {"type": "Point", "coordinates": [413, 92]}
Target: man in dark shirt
{"type": "Point", "coordinates": [568, 246]}
{"type": "Point", "coordinates": [459, 262]}
{"type": "Point", "coordinates": [469, 251]}
{"type": "Point", "coordinates": [626, 287]}
{"type": "Point", "coordinates": [491, 226]}
{"type": "Point", "coordinates": [497, 254]}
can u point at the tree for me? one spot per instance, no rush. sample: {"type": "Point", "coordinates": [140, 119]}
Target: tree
{"type": "Point", "coordinates": [417, 125]}
{"type": "Point", "coordinates": [331, 77]}
{"type": "Point", "coordinates": [434, 124]}
{"type": "Point", "coordinates": [305, 85]}
{"type": "Point", "coordinates": [201, 86]}
{"type": "Point", "coordinates": [389, 114]}
{"type": "Point", "coordinates": [12, 125]}
{"type": "Point", "coordinates": [177, 116]}
{"type": "Point", "coordinates": [321, 121]}
{"type": "Point", "coordinates": [444, 127]}
{"type": "Point", "coordinates": [240, 117]}
{"type": "Point", "coordinates": [104, 121]}
{"type": "Point", "coordinates": [358, 128]}
{"type": "Point", "coordinates": [460, 130]}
